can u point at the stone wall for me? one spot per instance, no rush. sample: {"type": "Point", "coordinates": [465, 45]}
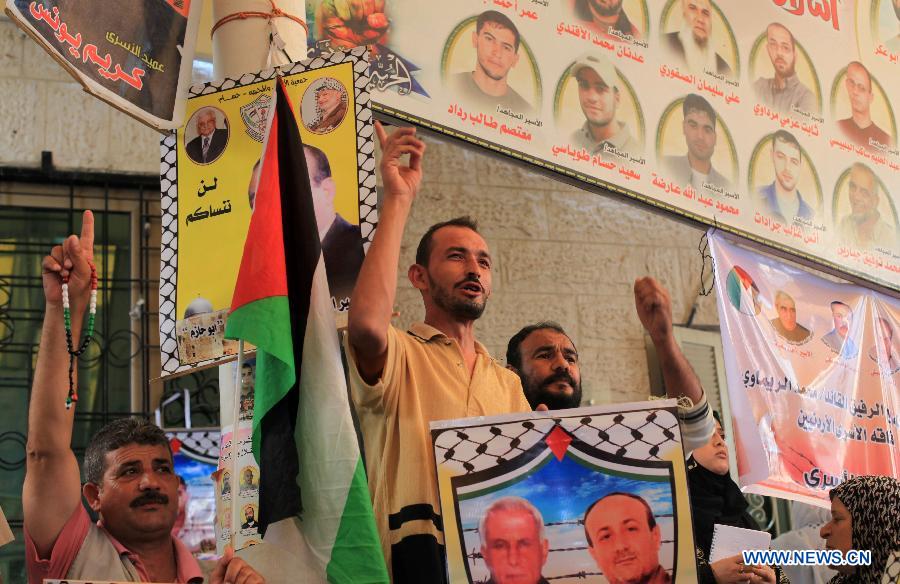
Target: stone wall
{"type": "Point", "coordinates": [560, 253]}
{"type": "Point", "coordinates": [42, 108]}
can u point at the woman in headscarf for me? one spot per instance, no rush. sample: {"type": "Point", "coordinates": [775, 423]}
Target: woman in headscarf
{"type": "Point", "coordinates": [806, 523]}
{"type": "Point", "coordinates": [865, 515]}
{"type": "Point", "coordinates": [715, 498]}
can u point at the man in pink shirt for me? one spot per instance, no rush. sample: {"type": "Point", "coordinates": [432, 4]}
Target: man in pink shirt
{"type": "Point", "coordinates": [128, 467]}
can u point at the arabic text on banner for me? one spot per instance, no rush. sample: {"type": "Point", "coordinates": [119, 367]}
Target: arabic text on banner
{"type": "Point", "coordinates": [813, 370]}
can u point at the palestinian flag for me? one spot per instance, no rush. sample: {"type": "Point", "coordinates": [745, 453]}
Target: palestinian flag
{"type": "Point", "coordinates": [312, 478]}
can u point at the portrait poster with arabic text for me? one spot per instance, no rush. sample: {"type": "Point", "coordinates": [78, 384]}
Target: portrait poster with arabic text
{"type": "Point", "coordinates": [548, 495]}
{"type": "Point", "coordinates": [237, 475]}
{"type": "Point", "coordinates": [136, 55]}
{"type": "Point", "coordinates": [813, 370]}
{"type": "Point", "coordinates": [778, 123]}
{"type": "Point", "coordinates": [210, 167]}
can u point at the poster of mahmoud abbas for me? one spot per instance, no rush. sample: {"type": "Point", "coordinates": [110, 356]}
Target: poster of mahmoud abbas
{"type": "Point", "coordinates": [546, 497]}
{"type": "Point", "coordinates": [209, 172]}
{"type": "Point", "coordinates": [136, 55]}
{"type": "Point", "coordinates": [749, 120]}
{"type": "Point", "coordinates": [813, 368]}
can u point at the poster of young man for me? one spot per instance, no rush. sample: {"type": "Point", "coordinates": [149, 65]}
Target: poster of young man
{"type": "Point", "coordinates": [137, 56]}
{"type": "Point", "coordinates": [565, 492]}
{"type": "Point", "coordinates": [210, 170]}
{"type": "Point", "coordinates": [237, 472]}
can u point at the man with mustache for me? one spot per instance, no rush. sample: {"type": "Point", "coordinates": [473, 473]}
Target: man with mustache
{"type": "Point", "coordinates": [863, 227]}
{"type": "Point", "coordinates": [781, 199]}
{"type": "Point", "coordinates": [691, 44]}
{"type": "Point", "coordinates": [837, 339]}
{"type": "Point", "coordinates": [606, 16]}
{"type": "Point", "coordinates": [496, 41]}
{"type": "Point", "coordinates": [513, 542]}
{"type": "Point", "coordinates": [546, 361]}
{"type": "Point", "coordinates": [249, 518]}
{"type": "Point", "coordinates": [128, 468]}
{"type": "Point", "coordinates": [331, 106]}
{"type": "Point", "coordinates": [210, 141]}
{"type": "Point", "coordinates": [784, 91]}
{"type": "Point", "coordinates": [403, 380]}
{"type": "Point", "coordinates": [624, 539]}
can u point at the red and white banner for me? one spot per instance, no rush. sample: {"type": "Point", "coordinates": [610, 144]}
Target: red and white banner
{"type": "Point", "coordinates": [813, 372]}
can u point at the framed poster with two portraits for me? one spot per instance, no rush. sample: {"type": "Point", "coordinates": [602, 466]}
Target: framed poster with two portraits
{"type": "Point", "coordinates": [566, 496]}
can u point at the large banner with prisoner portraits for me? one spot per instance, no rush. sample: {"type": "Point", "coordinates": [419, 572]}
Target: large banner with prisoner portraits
{"type": "Point", "coordinates": [537, 497]}
{"type": "Point", "coordinates": [813, 371]}
{"type": "Point", "coordinates": [777, 121]}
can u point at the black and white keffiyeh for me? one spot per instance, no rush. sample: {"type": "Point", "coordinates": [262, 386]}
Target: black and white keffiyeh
{"type": "Point", "coordinates": [874, 505]}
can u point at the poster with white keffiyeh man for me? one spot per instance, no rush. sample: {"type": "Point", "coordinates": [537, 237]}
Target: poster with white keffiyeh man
{"type": "Point", "coordinates": [551, 496]}
{"type": "Point", "coordinates": [813, 369]}
{"type": "Point", "coordinates": [209, 173]}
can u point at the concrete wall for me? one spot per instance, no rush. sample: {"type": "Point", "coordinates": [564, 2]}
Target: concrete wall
{"type": "Point", "coordinates": [560, 253]}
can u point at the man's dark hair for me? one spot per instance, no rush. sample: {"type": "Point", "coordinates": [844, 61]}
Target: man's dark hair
{"type": "Point", "coordinates": [696, 103]}
{"type": "Point", "coordinates": [651, 520]}
{"type": "Point", "coordinates": [116, 435]}
{"type": "Point", "coordinates": [839, 303]}
{"type": "Point", "coordinates": [785, 29]}
{"type": "Point", "coordinates": [500, 20]}
{"type": "Point", "coordinates": [513, 348]}
{"type": "Point", "coordinates": [787, 138]}
{"type": "Point", "coordinates": [323, 168]}
{"type": "Point", "coordinates": [423, 251]}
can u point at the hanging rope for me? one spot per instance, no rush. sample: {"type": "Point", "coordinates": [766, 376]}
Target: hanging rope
{"type": "Point", "coordinates": [275, 13]}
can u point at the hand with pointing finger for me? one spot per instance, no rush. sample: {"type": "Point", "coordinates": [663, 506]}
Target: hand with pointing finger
{"type": "Point", "coordinates": [400, 180]}
{"type": "Point", "coordinates": [71, 259]}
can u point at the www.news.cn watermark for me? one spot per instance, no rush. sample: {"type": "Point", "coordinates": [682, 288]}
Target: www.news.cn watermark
{"type": "Point", "coordinates": [807, 557]}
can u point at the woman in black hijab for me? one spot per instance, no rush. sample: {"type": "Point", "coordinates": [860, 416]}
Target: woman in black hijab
{"type": "Point", "coordinates": [865, 515]}
{"type": "Point", "coordinates": [715, 498]}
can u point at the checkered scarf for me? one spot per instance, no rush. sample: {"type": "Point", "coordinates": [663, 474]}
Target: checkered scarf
{"type": "Point", "coordinates": [874, 505]}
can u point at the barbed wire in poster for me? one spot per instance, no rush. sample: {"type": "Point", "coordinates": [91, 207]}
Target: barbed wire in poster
{"type": "Point", "coordinates": [549, 485]}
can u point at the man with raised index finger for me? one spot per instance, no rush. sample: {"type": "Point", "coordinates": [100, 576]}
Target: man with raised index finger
{"type": "Point", "coordinates": [402, 380]}
{"type": "Point", "coordinates": [128, 467]}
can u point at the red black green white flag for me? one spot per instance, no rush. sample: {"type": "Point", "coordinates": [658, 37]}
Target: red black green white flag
{"type": "Point", "coordinates": [312, 477]}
